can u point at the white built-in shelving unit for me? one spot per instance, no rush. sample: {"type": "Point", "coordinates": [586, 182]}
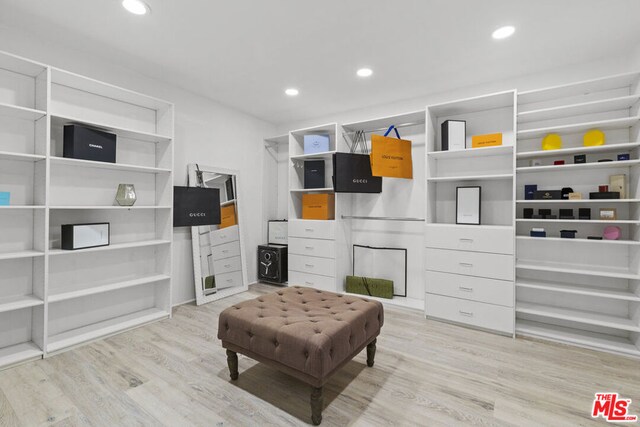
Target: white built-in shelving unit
{"type": "Point", "coordinates": [51, 299]}
{"type": "Point", "coordinates": [580, 291]}
{"type": "Point", "coordinates": [470, 268]}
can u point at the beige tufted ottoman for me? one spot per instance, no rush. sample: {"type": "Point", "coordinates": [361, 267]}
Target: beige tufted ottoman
{"type": "Point", "coordinates": [303, 332]}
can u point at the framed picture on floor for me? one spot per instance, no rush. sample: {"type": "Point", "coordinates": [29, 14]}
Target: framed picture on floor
{"type": "Point", "coordinates": [468, 205]}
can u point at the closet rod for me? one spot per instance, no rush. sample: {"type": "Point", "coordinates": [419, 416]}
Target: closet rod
{"type": "Point", "coordinates": [383, 129]}
{"type": "Point", "coordinates": [382, 218]}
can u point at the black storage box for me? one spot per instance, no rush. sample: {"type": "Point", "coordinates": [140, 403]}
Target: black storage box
{"type": "Point", "coordinates": [314, 174]}
{"type": "Point", "coordinates": [83, 236]}
{"type": "Point", "coordinates": [548, 195]}
{"type": "Point", "coordinates": [566, 214]}
{"type": "Point", "coordinates": [568, 234]}
{"type": "Point", "coordinates": [605, 195]}
{"type": "Point", "coordinates": [584, 213]}
{"type": "Point", "coordinates": [89, 144]}
{"type": "Point", "coordinates": [194, 206]}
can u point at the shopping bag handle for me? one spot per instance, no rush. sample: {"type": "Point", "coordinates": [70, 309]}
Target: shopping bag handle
{"type": "Point", "coordinates": [392, 127]}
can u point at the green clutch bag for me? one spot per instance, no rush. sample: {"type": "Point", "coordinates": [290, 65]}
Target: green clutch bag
{"type": "Point", "coordinates": [370, 287]}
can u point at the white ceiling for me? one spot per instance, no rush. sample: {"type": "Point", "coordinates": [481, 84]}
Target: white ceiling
{"type": "Point", "coordinates": [245, 53]}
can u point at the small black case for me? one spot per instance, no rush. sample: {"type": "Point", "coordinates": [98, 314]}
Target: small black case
{"type": "Point", "coordinates": [85, 143]}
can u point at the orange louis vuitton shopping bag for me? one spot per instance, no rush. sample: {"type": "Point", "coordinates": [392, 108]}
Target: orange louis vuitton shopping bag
{"type": "Point", "coordinates": [391, 157]}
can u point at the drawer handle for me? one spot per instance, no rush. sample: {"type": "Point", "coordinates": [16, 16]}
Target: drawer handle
{"type": "Point", "coordinates": [309, 265]}
{"type": "Point", "coordinates": [466, 264]}
{"type": "Point", "coordinates": [229, 280]}
{"type": "Point", "coordinates": [463, 288]}
{"type": "Point", "coordinates": [308, 247]}
{"type": "Point", "coordinates": [223, 236]}
{"type": "Point", "coordinates": [466, 240]}
{"type": "Point", "coordinates": [227, 266]}
{"type": "Point", "coordinates": [308, 283]}
{"type": "Point", "coordinates": [466, 313]}
{"type": "Point", "coordinates": [224, 251]}
{"type": "Point", "coordinates": [309, 230]}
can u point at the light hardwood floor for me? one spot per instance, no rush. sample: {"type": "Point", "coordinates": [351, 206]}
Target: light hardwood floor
{"type": "Point", "coordinates": [174, 373]}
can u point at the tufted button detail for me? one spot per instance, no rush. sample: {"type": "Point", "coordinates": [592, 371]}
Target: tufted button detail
{"type": "Point", "coordinates": [260, 299]}
{"type": "Point", "coordinates": [276, 343]}
{"type": "Point", "coordinates": [306, 310]}
{"type": "Point", "coordinates": [304, 302]}
{"type": "Point", "coordinates": [260, 316]}
{"type": "Point", "coordinates": [281, 293]}
{"type": "Point", "coordinates": [333, 312]}
{"type": "Point", "coordinates": [317, 331]}
{"type": "Point", "coordinates": [339, 319]}
{"type": "Point", "coordinates": [250, 334]}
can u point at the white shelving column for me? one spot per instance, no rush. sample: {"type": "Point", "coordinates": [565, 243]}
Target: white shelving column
{"type": "Point", "coordinates": [23, 127]}
{"type": "Point", "coordinates": [580, 291]}
{"type": "Point", "coordinates": [470, 268]}
{"type": "Point", "coordinates": [97, 292]}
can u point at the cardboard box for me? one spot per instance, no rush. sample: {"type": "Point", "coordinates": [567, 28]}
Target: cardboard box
{"type": "Point", "coordinates": [5, 198]}
{"type": "Point", "coordinates": [619, 183]}
{"type": "Point", "coordinates": [318, 206]}
{"type": "Point", "coordinates": [488, 140]}
{"type": "Point", "coordinates": [228, 216]}
{"type": "Point", "coordinates": [316, 143]}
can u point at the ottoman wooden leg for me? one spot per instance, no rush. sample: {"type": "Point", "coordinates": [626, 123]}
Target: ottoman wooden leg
{"type": "Point", "coordinates": [232, 361]}
{"type": "Point", "coordinates": [316, 405]}
{"type": "Point", "coordinates": [371, 352]}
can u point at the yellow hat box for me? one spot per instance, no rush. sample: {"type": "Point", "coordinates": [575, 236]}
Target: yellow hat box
{"type": "Point", "coordinates": [552, 141]}
{"type": "Point", "coordinates": [593, 138]}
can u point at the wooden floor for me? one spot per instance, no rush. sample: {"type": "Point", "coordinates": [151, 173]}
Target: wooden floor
{"type": "Point", "coordinates": [174, 373]}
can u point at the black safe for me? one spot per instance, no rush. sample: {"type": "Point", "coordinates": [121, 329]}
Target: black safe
{"type": "Point", "coordinates": [85, 143]}
{"type": "Point", "coordinates": [272, 263]}
{"type": "Point", "coordinates": [314, 174]}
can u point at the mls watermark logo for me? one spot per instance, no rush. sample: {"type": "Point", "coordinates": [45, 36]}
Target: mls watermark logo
{"type": "Point", "coordinates": [612, 408]}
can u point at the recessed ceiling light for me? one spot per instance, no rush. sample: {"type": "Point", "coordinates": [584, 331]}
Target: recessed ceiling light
{"type": "Point", "coordinates": [364, 72]}
{"type": "Point", "coordinates": [292, 92]}
{"type": "Point", "coordinates": [137, 7]}
{"type": "Point", "coordinates": [503, 32]}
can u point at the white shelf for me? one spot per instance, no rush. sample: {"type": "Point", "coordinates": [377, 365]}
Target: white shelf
{"type": "Point", "coordinates": [20, 254]}
{"type": "Point", "coordinates": [587, 270]}
{"type": "Point", "coordinates": [64, 296]}
{"type": "Point", "coordinates": [579, 166]}
{"type": "Point", "coordinates": [599, 106]}
{"type": "Point", "coordinates": [622, 147]}
{"type": "Point", "coordinates": [312, 190]}
{"type": "Point", "coordinates": [577, 289]}
{"type": "Point", "coordinates": [19, 353]}
{"type": "Point", "coordinates": [486, 177]}
{"type": "Point", "coordinates": [278, 140]}
{"type": "Point", "coordinates": [20, 113]}
{"type": "Point", "coordinates": [381, 124]}
{"type": "Point", "coordinates": [21, 65]}
{"type": "Point", "coordinates": [624, 122]}
{"type": "Point", "coordinates": [580, 221]}
{"type": "Point", "coordinates": [470, 227]}
{"type": "Point", "coordinates": [502, 150]}
{"type": "Point", "coordinates": [21, 207]}
{"type": "Point", "coordinates": [104, 328]}
{"type": "Point", "coordinates": [582, 338]}
{"type": "Point", "coordinates": [320, 156]}
{"type": "Point", "coordinates": [416, 304]}
{"type": "Point", "coordinates": [563, 201]}
{"type": "Point", "coordinates": [580, 240]}
{"type": "Point", "coordinates": [63, 161]}
{"type": "Point", "coordinates": [8, 155]}
{"type": "Point", "coordinates": [19, 302]}
{"type": "Point", "coordinates": [115, 208]}
{"type": "Point", "coordinates": [61, 120]}
{"type": "Point", "coordinates": [113, 247]}
{"type": "Point", "coordinates": [228, 202]}
{"type": "Point", "coordinates": [580, 316]}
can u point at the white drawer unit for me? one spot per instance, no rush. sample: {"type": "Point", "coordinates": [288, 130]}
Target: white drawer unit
{"type": "Point", "coordinates": [312, 229]}
{"type": "Point", "coordinates": [226, 250]}
{"type": "Point", "coordinates": [225, 235]}
{"type": "Point", "coordinates": [493, 266]}
{"type": "Point", "coordinates": [312, 265]}
{"type": "Point", "coordinates": [312, 247]}
{"type": "Point", "coordinates": [323, 283]}
{"type": "Point", "coordinates": [498, 240]}
{"type": "Point", "coordinates": [478, 314]}
{"type": "Point", "coordinates": [228, 280]}
{"type": "Point", "coordinates": [227, 265]}
{"type": "Point", "coordinates": [492, 291]}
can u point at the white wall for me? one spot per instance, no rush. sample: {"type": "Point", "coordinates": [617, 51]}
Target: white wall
{"type": "Point", "coordinates": [205, 132]}
{"type": "Point", "coordinates": [400, 198]}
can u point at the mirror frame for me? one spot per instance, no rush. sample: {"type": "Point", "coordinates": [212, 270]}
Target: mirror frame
{"type": "Point", "coordinates": [201, 298]}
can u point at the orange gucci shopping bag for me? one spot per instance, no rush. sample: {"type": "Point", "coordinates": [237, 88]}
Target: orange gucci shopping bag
{"type": "Point", "coordinates": [391, 157]}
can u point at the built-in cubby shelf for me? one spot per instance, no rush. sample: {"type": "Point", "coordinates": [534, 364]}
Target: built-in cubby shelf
{"type": "Point", "coordinates": [586, 270]}
{"type": "Point", "coordinates": [607, 148]}
{"type": "Point", "coordinates": [579, 166]}
{"type": "Point", "coordinates": [575, 289]}
{"type": "Point", "coordinates": [46, 302]}
{"type": "Point", "coordinates": [624, 122]}
{"type": "Point", "coordinates": [579, 240]}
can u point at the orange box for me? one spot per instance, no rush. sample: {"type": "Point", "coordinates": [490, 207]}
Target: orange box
{"type": "Point", "coordinates": [318, 206]}
{"type": "Point", "coordinates": [228, 216]}
{"type": "Point", "coordinates": [488, 140]}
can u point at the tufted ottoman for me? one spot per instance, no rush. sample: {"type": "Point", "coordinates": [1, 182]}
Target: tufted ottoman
{"type": "Point", "coordinates": [303, 332]}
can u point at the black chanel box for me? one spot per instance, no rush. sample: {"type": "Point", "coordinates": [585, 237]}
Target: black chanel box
{"type": "Point", "coordinates": [544, 212]}
{"type": "Point", "coordinates": [527, 213]}
{"type": "Point", "coordinates": [566, 214]}
{"type": "Point", "coordinates": [584, 213]}
{"type": "Point", "coordinates": [579, 158]}
{"type": "Point", "coordinates": [89, 144]}
{"type": "Point", "coordinates": [568, 234]}
{"type": "Point", "coordinates": [605, 195]}
{"type": "Point", "coordinates": [314, 174]}
{"type": "Point", "coordinates": [548, 194]}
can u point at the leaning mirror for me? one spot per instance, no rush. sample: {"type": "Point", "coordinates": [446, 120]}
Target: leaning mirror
{"type": "Point", "coordinates": [219, 266]}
